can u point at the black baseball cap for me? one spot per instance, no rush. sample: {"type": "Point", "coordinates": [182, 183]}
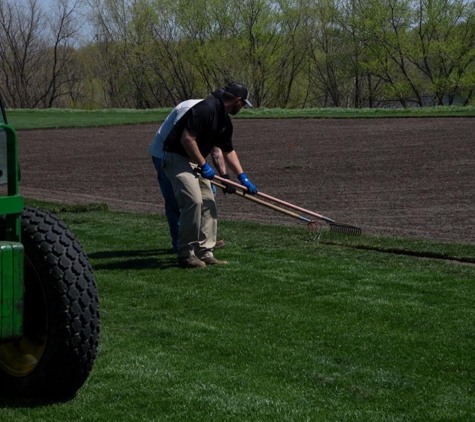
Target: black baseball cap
{"type": "Point", "coordinates": [238, 89]}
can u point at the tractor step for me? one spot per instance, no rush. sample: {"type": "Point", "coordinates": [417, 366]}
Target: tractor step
{"type": "Point", "coordinates": [11, 289]}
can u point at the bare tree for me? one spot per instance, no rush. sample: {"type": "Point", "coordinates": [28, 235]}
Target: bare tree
{"type": "Point", "coordinates": [21, 45]}
{"type": "Point", "coordinates": [36, 49]}
{"type": "Point", "coordinates": [327, 54]}
{"type": "Point", "coordinates": [63, 28]}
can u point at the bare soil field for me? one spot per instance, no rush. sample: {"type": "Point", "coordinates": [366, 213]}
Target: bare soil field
{"type": "Point", "coordinates": [404, 177]}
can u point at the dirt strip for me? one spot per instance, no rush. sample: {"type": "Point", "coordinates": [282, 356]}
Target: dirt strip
{"type": "Point", "coordinates": [405, 177]}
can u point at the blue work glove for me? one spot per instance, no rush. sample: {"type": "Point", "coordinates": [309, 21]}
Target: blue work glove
{"type": "Point", "coordinates": [229, 188]}
{"type": "Point", "coordinates": [207, 171]}
{"type": "Point", "coordinates": [246, 182]}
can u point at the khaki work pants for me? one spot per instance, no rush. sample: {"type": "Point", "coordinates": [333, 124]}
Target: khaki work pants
{"type": "Point", "coordinates": [198, 213]}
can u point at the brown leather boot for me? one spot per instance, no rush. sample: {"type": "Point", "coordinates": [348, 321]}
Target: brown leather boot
{"type": "Point", "coordinates": [211, 260]}
{"type": "Point", "coordinates": [219, 244]}
{"type": "Point", "coordinates": [190, 262]}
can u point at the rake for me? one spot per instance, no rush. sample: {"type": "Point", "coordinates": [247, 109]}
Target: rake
{"type": "Point", "coordinates": [314, 227]}
{"type": "Point", "coordinates": [334, 226]}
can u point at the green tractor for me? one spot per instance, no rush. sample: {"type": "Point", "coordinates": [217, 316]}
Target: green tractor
{"type": "Point", "coordinates": [49, 314]}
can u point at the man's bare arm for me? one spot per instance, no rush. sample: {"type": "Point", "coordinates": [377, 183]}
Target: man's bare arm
{"type": "Point", "coordinates": [233, 162]}
{"type": "Point", "coordinates": [218, 161]}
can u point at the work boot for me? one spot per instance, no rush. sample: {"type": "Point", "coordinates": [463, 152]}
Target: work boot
{"type": "Point", "coordinates": [219, 244]}
{"type": "Point", "coordinates": [211, 260]}
{"type": "Point", "coordinates": [190, 262]}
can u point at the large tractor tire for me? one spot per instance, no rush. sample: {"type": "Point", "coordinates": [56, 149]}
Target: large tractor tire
{"type": "Point", "coordinates": [61, 314]}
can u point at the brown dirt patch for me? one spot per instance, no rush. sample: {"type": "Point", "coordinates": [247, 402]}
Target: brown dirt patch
{"type": "Point", "coordinates": [398, 177]}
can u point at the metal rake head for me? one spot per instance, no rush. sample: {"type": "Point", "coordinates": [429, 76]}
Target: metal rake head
{"type": "Point", "coordinates": [345, 229]}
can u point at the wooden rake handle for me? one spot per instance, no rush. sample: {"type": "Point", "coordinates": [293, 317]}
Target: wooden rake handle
{"type": "Point", "coordinates": [259, 201]}
{"type": "Point", "coordinates": [279, 201]}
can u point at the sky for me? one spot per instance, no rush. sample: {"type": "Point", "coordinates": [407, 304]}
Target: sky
{"type": "Point", "coordinates": [50, 5]}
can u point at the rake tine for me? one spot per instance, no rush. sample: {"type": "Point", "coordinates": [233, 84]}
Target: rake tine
{"type": "Point", "coordinates": [345, 229]}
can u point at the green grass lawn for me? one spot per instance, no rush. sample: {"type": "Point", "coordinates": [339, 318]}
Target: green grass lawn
{"type": "Point", "coordinates": [55, 118]}
{"type": "Point", "coordinates": [345, 329]}
{"type": "Point", "coordinates": [52, 118]}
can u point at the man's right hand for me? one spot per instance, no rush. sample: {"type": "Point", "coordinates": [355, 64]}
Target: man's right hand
{"type": "Point", "coordinates": [207, 171]}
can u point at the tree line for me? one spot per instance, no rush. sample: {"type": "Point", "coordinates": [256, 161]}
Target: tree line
{"type": "Point", "coordinates": [290, 53]}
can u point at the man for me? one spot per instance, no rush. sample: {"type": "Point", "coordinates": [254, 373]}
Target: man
{"type": "Point", "coordinates": [204, 126]}
{"type": "Point", "coordinates": [172, 211]}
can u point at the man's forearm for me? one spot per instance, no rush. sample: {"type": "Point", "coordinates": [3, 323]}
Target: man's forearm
{"type": "Point", "coordinates": [233, 162]}
{"type": "Point", "coordinates": [218, 161]}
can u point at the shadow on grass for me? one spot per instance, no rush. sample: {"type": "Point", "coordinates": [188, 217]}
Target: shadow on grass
{"type": "Point", "coordinates": [160, 259]}
{"type": "Point", "coordinates": [16, 402]}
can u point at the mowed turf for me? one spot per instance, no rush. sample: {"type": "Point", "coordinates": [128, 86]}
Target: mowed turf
{"type": "Point", "coordinates": [56, 118]}
{"type": "Point", "coordinates": [290, 330]}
